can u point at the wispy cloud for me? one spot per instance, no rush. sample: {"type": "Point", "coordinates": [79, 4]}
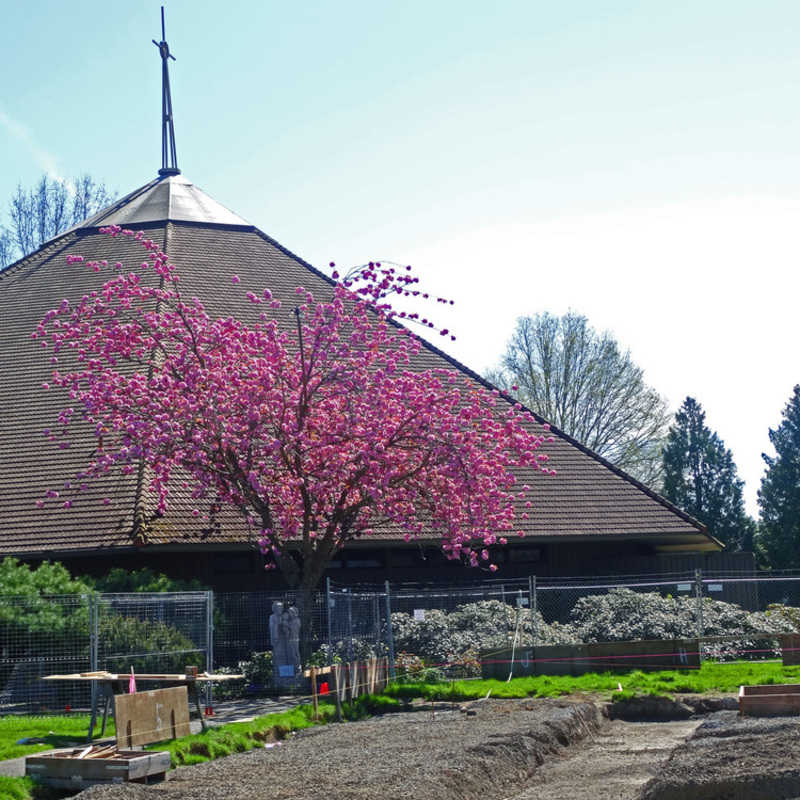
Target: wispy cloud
{"type": "Point", "coordinates": [46, 161]}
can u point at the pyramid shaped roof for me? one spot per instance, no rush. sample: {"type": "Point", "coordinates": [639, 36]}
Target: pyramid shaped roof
{"type": "Point", "coordinates": [589, 499]}
{"type": "Point", "coordinates": [167, 198]}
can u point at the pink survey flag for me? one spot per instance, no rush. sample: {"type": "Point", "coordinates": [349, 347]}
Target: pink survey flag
{"type": "Point", "coordinates": [132, 683]}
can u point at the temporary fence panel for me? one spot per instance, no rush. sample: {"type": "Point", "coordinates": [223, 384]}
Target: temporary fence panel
{"type": "Point", "coordinates": [357, 625]}
{"type": "Point", "coordinates": [67, 634]}
{"type": "Point", "coordinates": [159, 632]}
{"type": "Point", "coordinates": [40, 636]}
{"type": "Point", "coordinates": [242, 625]}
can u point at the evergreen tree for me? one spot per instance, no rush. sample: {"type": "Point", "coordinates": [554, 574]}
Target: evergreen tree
{"type": "Point", "coordinates": [779, 496]}
{"type": "Point", "coordinates": [701, 478]}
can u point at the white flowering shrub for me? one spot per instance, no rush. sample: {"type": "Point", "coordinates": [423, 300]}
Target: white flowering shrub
{"type": "Point", "coordinates": [620, 615]}
{"type": "Point", "coordinates": [442, 637]}
{"type": "Point", "coordinates": [623, 614]}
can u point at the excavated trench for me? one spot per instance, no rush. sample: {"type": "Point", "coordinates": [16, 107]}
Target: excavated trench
{"type": "Point", "coordinates": [508, 750]}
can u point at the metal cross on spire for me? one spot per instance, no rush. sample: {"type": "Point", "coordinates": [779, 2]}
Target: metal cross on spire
{"type": "Point", "coordinates": [169, 158]}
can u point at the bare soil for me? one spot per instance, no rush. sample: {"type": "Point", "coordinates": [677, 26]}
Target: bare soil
{"type": "Point", "coordinates": [506, 750]}
{"type": "Point", "coordinates": [613, 764]}
{"type": "Point", "coordinates": [424, 755]}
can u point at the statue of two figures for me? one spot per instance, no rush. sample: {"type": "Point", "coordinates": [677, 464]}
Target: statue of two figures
{"type": "Point", "coordinates": [284, 631]}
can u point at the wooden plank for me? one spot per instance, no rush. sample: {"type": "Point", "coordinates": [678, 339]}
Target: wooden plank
{"type": "Point", "coordinates": [151, 716]}
{"type": "Point", "coordinates": [384, 679]}
{"type": "Point", "coordinates": [319, 671]}
{"type": "Point", "coordinates": [124, 676]}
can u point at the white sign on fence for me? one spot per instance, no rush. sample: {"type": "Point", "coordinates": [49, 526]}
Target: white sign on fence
{"type": "Point", "coordinates": [714, 587]}
{"type": "Point", "coordinates": [684, 587]}
{"type": "Point", "coordinates": [419, 614]}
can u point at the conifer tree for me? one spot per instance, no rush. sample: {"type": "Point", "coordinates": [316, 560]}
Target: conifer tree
{"type": "Point", "coordinates": [779, 496]}
{"type": "Point", "coordinates": [700, 477]}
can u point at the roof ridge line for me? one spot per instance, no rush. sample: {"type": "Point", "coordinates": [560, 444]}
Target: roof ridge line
{"type": "Point", "coordinates": [582, 447]}
{"type": "Point", "coordinates": [487, 384]}
{"type": "Point", "coordinates": [51, 243]}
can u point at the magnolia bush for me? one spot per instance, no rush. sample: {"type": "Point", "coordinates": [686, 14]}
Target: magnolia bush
{"type": "Point", "coordinates": [344, 650]}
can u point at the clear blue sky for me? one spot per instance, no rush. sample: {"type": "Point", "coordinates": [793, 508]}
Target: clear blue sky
{"type": "Point", "coordinates": [637, 162]}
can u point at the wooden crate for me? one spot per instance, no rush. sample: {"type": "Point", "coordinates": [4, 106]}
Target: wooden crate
{"type": "Point", "coordinates": [63, 770]}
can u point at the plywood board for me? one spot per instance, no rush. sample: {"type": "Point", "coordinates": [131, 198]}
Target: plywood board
{"type": "Point", "coordinates": [151, 716]}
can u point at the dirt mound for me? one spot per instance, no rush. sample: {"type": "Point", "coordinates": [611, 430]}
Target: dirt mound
{"type": "Point", "coordinates": [437, 755]}
{"type": "Point", "coordinates": [733, 758]}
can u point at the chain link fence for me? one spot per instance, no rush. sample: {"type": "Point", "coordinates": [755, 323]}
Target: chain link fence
{"type": "Point", "coordinates": [70, 634]}
{"type": "Point", "coordinates": [733, 615]}
{"type": "Point", "coordinates": [425, 630]}
{"type": "Point", "coordinates": [40, 636]}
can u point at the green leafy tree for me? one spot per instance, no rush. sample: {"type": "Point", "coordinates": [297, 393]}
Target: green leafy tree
{"type": "Point", "coordinates": [779, 497]}
{"type": "Point", "coordinates": [582, 382]}
{"type": "Point", "coordinates": [39, 606]}
{"type": "Point", "coordinates": [45, 604]}
{"type": "Point", "coordinates": [118, 580]}
{"type": "Point", "coordinates": [700, 477]}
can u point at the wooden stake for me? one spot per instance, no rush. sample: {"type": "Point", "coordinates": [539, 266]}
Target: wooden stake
{"type": "Point", "coordinates": [314, 692]}
{"type": "Point", "coordinates": [337, 671]}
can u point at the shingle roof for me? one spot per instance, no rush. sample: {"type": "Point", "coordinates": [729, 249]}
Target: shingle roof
{"type": "Point", "coordinates": [588, 499]}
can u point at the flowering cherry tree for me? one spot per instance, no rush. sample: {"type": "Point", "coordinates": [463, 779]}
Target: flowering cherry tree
{"type": "Point", "coordinates": [319, 433]}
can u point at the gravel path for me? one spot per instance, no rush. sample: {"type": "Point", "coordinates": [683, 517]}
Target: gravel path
{"type": "Point", "coordinates": [424, 755]}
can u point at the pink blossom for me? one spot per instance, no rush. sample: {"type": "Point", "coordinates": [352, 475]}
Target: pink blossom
{"type": "Point", "coordinates": [353, 428]}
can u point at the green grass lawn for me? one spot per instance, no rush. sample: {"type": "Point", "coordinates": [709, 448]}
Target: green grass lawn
{"type": "Point", "coordinates": [47, 732]}
{"type": "Point", "coordinates": [65, 731]}
{"type": "Point", "coordinates": [711, 677]}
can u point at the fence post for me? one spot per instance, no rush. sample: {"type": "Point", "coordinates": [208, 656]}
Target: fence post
{"type": "Point", "coordinates": [209, 645]}
{"type": "Point", "coordinates": [329, 601]}
{"type": "Point", "coordinates": [389, 631]}
{"type": "Point", "coordinates": [94, 648]}
{"type": "Point", "coordinates": [698, 590]}
{"type": "Point", "coordinates": [532, 602]}
{"type": "Point", "coordinates": [350, 652]}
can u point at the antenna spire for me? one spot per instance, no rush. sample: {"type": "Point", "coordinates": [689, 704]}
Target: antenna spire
{"type": "Point", "coordinates": [169, 158]}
